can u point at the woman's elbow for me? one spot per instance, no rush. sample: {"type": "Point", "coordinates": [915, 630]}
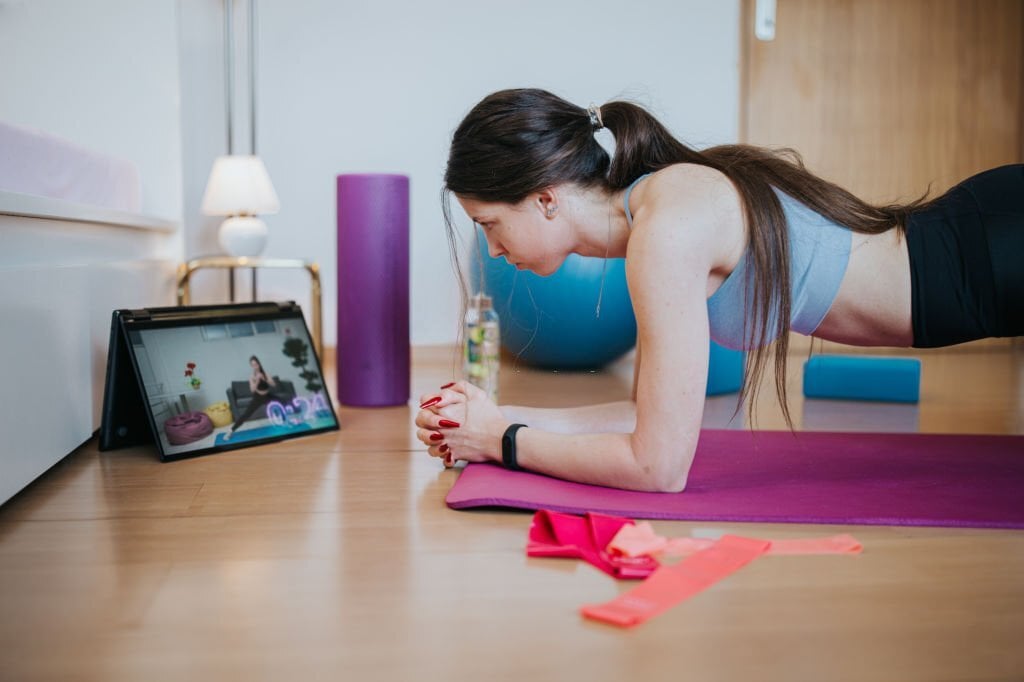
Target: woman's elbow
{"type": "Point", "coordinates": [668, 483]}
{"type": "Point", "coordinates": [663, 474]}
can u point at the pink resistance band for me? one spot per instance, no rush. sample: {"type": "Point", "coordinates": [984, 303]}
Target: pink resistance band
{"type": "Point", "coordinates": [553, 534]}
{"type": "Point", "coordinates": [636, 540]}
{"type": "Point", "coordinates": [670, 585]}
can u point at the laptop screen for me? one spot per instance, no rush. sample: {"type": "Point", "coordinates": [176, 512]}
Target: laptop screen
{"type": "Point", "coordinates": [222, 381]}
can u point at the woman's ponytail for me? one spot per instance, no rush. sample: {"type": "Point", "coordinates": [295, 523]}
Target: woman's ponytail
{"type": "Point", "coordinates": [642, 144]}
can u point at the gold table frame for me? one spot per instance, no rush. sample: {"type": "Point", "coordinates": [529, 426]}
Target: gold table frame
{"type": "Point", "coordinates": [186, 269]}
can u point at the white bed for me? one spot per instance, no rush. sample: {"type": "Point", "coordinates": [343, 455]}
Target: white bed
{"type": "Point", "coordinates": [41, 164]}
{"type": "Point", "coordinates": [73, 247]}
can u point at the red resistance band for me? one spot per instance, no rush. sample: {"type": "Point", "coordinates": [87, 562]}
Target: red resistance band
{"type": "Point", "coordinates": [587, 537]}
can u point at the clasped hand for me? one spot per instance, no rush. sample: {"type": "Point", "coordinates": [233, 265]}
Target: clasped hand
{"type": "Point", "coordinates": [460, 422]}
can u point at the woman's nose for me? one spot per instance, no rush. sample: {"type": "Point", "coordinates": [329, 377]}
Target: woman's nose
{"type": "Point", "coordinates": [494, 249]}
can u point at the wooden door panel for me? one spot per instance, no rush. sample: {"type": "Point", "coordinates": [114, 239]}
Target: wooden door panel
{"type": "Point", "coordinates": [888, 98]}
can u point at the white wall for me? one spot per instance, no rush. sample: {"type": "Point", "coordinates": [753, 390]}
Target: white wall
{"type": "Point", "coordinates": [103, 74]}
{"type": "Point", "coordinates": [347, 87]}
{"type": "Point", "coordinates": [201, 34]}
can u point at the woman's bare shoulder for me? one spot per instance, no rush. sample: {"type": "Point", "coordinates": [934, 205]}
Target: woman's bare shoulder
{"type": "Point", "coordinates": [685, 193]}
{"type": "Point", "coordinates": [700, 198]}
{"type": "Point", "coordinates": [691, 184]}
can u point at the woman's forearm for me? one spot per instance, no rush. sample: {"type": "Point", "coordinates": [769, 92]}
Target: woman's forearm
{"type": "Point", "coordinates": [608, 459]}
{"type": "Point", "coordinates": [593, 444]}
{"type": "Point", "coordinates": [618, 417]}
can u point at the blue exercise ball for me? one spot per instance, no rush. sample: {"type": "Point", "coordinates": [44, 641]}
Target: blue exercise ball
{"type": "Point", "coordinates": [550, 322]}
{"type": "Point", "coordinates": [725, 370]}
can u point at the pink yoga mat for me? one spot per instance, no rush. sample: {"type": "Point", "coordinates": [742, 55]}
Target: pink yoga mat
{"type": "Point", "coordinates": [891, 479]}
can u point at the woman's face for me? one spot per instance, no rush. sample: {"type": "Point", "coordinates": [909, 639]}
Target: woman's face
{"type": "Point", "coordinates": [254, 364]}
{"type": "Point", "coordinates": [522, 233]}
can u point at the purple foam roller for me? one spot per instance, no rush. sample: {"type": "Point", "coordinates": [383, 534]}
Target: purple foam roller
{"type": "Point", "coordinates": [373, 290]}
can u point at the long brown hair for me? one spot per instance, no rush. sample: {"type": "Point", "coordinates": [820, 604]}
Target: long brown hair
{"type": "Point", "coordinates": [262, 371]}
{"type": "Point", "coordinates": [517, 142]}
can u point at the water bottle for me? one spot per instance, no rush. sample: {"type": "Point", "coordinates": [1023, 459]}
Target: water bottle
{"type": "Point", "coordinates": [482, 357]}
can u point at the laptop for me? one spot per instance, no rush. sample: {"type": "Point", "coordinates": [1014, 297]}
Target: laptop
{"type": "Point", "coordinates": [200, 379]}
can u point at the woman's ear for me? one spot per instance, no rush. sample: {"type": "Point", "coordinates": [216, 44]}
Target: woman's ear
{"type": "Point", "coordinates": [547, 202]}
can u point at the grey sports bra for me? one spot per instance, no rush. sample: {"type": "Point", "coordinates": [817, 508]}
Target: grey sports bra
{"type": "Point", "coordinates": [819, 255]}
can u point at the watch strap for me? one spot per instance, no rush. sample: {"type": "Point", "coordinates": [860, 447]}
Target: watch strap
{"type": "Point", "coordinates": [508, 447]}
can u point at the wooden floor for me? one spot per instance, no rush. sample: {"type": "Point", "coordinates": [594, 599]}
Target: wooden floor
{"type": "Point", "coordinates": [334, 557]}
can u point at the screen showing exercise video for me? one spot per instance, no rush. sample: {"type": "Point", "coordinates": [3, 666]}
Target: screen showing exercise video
{"type": "Point", "coordinates": [220, 385]}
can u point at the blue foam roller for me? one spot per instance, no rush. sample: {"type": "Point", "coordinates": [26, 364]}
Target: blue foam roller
{"type": "Point", "coordinates": [725, 370]}
{"type": "Point", "coordinates": [847, 377]}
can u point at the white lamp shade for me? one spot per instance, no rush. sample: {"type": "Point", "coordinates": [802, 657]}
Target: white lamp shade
{"type": "Point", "coordinates": [239, 185]}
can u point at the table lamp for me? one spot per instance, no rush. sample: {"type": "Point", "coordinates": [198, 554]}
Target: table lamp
{"type": "Point", "coordinates": [240, 188]}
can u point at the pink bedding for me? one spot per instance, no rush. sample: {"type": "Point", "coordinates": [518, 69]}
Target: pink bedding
{"type": "Point", "coordinates": [38, 163]}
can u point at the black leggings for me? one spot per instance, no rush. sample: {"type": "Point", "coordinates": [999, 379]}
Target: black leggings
{"type": "Point", "coordinates": [967, 261]}
{"type": "Point", "coordinates": [258, 400]}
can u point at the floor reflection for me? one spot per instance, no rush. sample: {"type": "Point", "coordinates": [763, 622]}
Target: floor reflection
{"type": "Point", "coordinates": [854, 415]}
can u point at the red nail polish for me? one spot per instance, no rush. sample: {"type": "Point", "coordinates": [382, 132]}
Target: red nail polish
{"type": "Point", "coordinates": [448, 385]}
{"type": "Point", "coordinates": [436, 436]}
{"type": "Point", "coordinates": [433, 401]}
{"type": "Point", "coordinates": [443, 448]}
{"type": "Point", "coordinates": [449, 424]}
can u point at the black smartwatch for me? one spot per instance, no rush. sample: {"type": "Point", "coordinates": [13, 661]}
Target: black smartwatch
{"type": "Point", "coordinates": [508, 447]}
